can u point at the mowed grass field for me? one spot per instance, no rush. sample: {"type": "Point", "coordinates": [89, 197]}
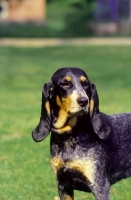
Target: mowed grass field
{"type": "Point", "coordinates": [25, 172]}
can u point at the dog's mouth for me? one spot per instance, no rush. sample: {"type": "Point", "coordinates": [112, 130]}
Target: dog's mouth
{"type": "Point", "coordinates": [66, 120]}
{"type": "Point", "coordinates": [70, 122]}
{"type": "Point", "coordinates": [72, 114]}
{"type": "Point", "coordinates": [75, 114]}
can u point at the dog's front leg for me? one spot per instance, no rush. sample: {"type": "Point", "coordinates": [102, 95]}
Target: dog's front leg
{"type": "Point", "coordinates": [65, 193]}
{"type": "Point", "coordinates": [101, 191]}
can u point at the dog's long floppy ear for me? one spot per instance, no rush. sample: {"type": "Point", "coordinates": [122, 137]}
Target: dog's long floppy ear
{"type": "Point", "coordinates": [99, 122]}
{"type": "Point", "coordinates": [44, 126]}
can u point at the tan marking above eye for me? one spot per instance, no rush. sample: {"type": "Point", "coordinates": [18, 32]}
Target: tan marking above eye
{"type": "Point", "coordinates": [68, 78]}
{"type": "Point", "coordinates": [83, 78]}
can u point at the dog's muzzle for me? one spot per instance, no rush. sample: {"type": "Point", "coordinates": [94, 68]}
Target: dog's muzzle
{"type": "Point", "coordinates": [82, 101]}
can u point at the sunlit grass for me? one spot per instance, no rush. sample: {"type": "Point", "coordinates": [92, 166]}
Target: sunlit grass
{"type": "Point", "coordinates": [25, 171]}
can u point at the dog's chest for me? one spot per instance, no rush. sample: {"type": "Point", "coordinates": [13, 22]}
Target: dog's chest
{"type": "Point", "coordinates": [74, 160]}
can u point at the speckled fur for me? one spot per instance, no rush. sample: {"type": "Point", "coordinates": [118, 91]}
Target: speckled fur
{"type": "Point", "coordinates": [96, 151]}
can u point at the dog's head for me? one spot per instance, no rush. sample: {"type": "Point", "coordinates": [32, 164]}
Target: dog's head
{"type": "Point", "coordinates": [68, 95]}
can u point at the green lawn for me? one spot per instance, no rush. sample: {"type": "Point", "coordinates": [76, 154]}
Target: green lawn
{"type": "Point", "coordinates": [25, 171]}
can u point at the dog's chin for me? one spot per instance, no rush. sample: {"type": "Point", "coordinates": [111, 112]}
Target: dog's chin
{"type": "Point", "coordinates": [78, 113]}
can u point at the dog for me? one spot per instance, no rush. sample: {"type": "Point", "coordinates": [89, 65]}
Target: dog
{"type": "Point", "coordinates": [89, 150]}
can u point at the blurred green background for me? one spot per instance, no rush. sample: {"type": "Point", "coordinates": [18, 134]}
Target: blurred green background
{"type": "Point", "coordinates": [70, 18]}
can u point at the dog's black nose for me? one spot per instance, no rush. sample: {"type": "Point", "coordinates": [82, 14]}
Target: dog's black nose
{"type": "Point", "coordinates": [82, 101]}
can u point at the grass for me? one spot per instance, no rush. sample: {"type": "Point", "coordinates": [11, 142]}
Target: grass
{"type": "Point", "coordinates": [25, 171]}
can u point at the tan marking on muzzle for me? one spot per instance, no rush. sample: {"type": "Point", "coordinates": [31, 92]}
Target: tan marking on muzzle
{"type": "Point", "coordinates": [91, 105]}
{"type": "Point", "coordinates": [68, 126]}
{"type": "Point", "coordinates": [64, 105]}
{"type": "Point", "coordinates": [47, 106]}
{"type": "Point", "coordinates": [67, 106]}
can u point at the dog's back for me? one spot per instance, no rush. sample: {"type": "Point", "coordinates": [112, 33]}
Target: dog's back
{"type": "Point", "coordinates": [119, 147]}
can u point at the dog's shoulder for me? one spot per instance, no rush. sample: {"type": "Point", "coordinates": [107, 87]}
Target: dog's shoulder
{"type": "Point", "coordinates": [121, 122]}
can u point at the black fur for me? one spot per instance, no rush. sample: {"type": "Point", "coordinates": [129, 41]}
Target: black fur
{"type": "Point", "coordinates": [90, 151]}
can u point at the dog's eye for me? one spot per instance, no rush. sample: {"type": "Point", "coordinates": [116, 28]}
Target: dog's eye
{"type": "Point", "coordinates": [65, 84]}
{"type": "Point", "coordinates": [84, 84]}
